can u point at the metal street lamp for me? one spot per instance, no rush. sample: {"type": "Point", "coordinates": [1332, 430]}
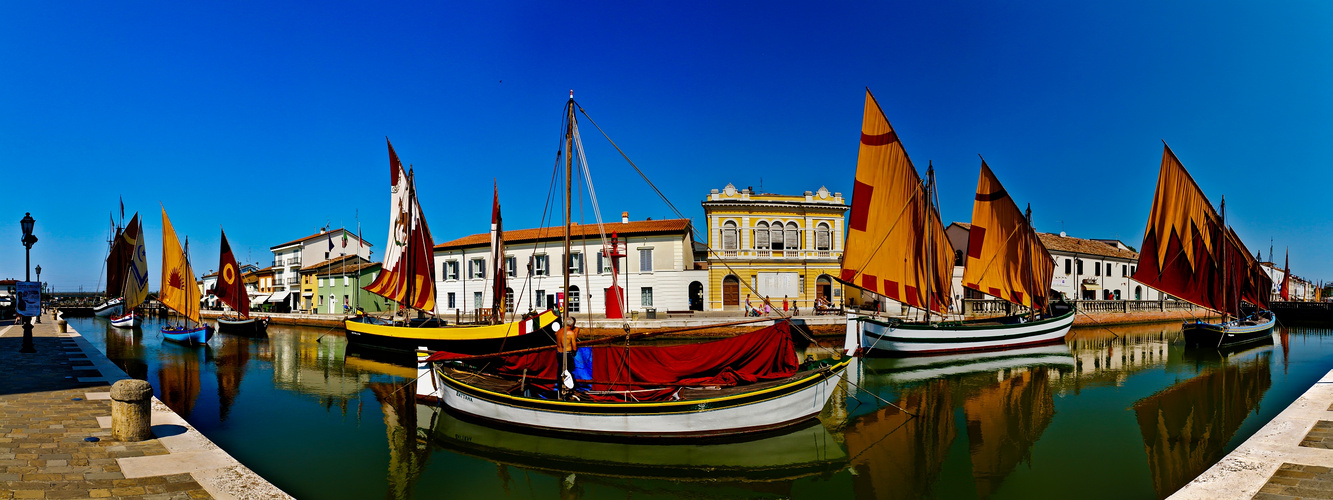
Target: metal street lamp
{"type": "Point", "coordinates": [28, 240]}
{"type": "Point", "coordinates": [39, 288]}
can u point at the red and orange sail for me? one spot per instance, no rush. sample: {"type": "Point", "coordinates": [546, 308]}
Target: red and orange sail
{"type": "Point", "coordinates": [498, 261]}
{"type": "Point", "coordinates": [896, 245]}
{"type": "Point", "coordinates": [230, 287]}
{"type": "Point", "coordinates": [1189, 253]}
{"type": "Point", "coordinates": [1005, 258]}
{"type": "Point", "coordinates": [407, 276]}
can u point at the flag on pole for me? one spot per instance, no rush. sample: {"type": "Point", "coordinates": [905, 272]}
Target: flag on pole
{"type": "Point", "coordinates": [1286, 276]}
{"type": "Point", "coordinates": [330, 242]}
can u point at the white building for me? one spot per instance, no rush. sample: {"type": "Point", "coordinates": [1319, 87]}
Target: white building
{"type": "Point", "coordinates": [1084, 269]}
{"type": "Point", "coordinates": [1298, 289]}
{"type": "Point", "coordinates": [289, 257]}
{"type": "Point", "coordinates": [659, 271]}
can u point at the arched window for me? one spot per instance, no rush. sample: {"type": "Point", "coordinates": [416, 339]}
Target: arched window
{"type": "Point", "coordinates": [573, 298]}
{"type": "Point", "coordinates": [761, 236]}
{"type": "Point", "coordinates": [509, 299]}
{"type": "Point", "coordinates": [729, 235]}
{"type": "Point", "coordinates": [792, 237]}
{"type": "Point", "coordinates": [776, 233]}
{"type": "Point", "coordinates": [823, 237]}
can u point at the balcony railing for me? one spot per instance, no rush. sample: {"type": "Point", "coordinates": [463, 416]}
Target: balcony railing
{"type": "Point", "coordinates": [293, 262]}
{"type": "Point", "coordinates": [293, 281]}
{"type": "Point", "coordinates": [996, 306]}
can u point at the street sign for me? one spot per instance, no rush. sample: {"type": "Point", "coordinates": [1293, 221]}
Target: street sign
{"type": "Point", "coordinates": [29, 298]}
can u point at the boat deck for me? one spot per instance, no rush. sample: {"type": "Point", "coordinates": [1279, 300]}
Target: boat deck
{"type": "Point", "coordinates": [506, 385]}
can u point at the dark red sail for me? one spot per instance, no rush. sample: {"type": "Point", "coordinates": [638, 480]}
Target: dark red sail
{"type": "Point", "coordinates": [231, 284]}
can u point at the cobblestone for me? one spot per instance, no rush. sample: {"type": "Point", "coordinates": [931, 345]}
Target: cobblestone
{"type": "Point", "coordinates": [1320, 436]}
{"type": "Point", "coordinates": [43, 429]}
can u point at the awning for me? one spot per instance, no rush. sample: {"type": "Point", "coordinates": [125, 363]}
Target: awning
{"type": "Point", "coordinates": [279, 297]}
{"type": "Point", "coordinates": [308, 294]}
{"type": "Point", "coordinates": [1091, 286]}
{"type": "Point", "coordinates": [258, 299]}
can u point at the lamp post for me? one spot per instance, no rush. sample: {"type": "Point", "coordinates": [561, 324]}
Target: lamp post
{"type": "Point", "coordinates": [28, 240]}
{"type": "Point", "coordinates": [40, 291]}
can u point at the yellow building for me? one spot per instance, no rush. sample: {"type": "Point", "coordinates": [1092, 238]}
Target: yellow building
{"type": "Point", "coordinates": [779, 246]}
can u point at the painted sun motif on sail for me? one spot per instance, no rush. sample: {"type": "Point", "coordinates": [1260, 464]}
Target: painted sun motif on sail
{"type": "Point", "coordinates": [175, 281]}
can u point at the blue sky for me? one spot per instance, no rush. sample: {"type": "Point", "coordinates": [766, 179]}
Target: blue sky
{"type": "Point", "coordinates": [268, 119]}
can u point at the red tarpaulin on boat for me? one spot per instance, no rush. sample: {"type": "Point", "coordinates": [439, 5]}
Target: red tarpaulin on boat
{"type": "Point", "coordinates": [766, 354]}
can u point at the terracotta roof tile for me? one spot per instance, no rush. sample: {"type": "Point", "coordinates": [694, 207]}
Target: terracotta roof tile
{"type": "Point", "coordinates": [632, 228]}
{"type": "Point", "coordinates": [350, 235]}
{"type": "Point", "coordinates": [1070, 244]}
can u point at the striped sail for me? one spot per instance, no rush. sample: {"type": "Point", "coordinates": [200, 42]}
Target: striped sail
{"type": "Point", "coordinates": [408, 276]}
{"type": "Point", "coordinates": [896, 245]}
{"type": "Point", "coordinates": [135, 286]}
{"type": "Point", "coordinates": [1005, 258]}
{"type": "Point", "coordinates": [1189, 253]}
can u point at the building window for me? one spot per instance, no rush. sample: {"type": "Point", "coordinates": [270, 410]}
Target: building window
{"type": "Point", "coordinates": [452, 304]}
{"type": "Point", "coordinates": [1108, 268]}
{"type": "Point", "coordinates": [511, 267]}
{"type": "Point", "coordinates": [761, 236]}
{"type": "Point", "coordinates": [823, 237]}
{"type": "Point", "coordinates": [321, 301]}
{"type": "Point", "coordinates": [346, 281]}
{"type": "Point", "coordinates": [1132, 269]}
{"type": "Point", "coordinates": [476, 268]}
{"type": "Point", "coordinates": [477, 300]}
{"type": "Point", "coordinates": [957, 257]}
{"type": "Point", "coordinates": [573, 299]}
{"type": "Point", "coordinates": [509, 299]}
{"type": "Point", "coordinates": [451, 270]}
{"type": "Point", "coordinates": [646, 296]}
{"type": "Point", "coordinates": [1124, 271]}
{"type": "Point", "coordinates": [1078, 263]}
{"type": "Point", "coordinates": [346, 302]}
{"type": "Point", "coordinates": [1068, 264]}
{"type": "Point", "coordinates": [541, 298]}
{"type": "Point", "coordinates": [542, 265]}
{"type": "Point", "coordinates": [792, 238]}
{"type": "Point", "coordinates": [645, 260]}
{"type": "Point", "coordinates": [575, 263]}
{"type": "Point", "coordinates": [1096, 268]}
{"type": "Point", "coordinates": [775, 241]}
{"type": "Point", "coordinates": [729, 236]}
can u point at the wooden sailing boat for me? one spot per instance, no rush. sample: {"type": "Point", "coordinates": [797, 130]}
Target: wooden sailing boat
{"type": "Point", "coordinates": [230, 288]}
{"type": "Point", "coordinates": [179, 291]}
{"type": "Point", "coordinates": [896, 247]}
{"type": "Point", "coordinates": [1188, 251]}
{"type": "Point", "coordinates": [750, 383]}
{"type": "Point", "coordinates": [129, 262]}
{"type": "Point", "coordinates": [114, 304]}
{"type": "Point", "coordinates": [408, 278]}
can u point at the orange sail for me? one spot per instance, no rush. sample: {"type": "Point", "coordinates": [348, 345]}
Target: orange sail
{"type": "Point", "coordinates": [178, 289]}
{"type": "Point", "coordinates": [408, 276]}
{"type": "Point", "coordinates": [1005, 258]}
{"type": "Point", "coordinates": [1189, 253]}
{"type": "Point", "coordinates": [896, 245]}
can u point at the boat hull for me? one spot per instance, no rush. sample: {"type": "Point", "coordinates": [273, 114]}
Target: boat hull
{"type": "Point", "coordinates": [1214, 335]}
{"type": "Point", "coordinates": [190, 336]}
{"type": "Point", "coordinates": [129, 320]}
{"type": "Point", "coordinates": [484, 339]}
{"type": "Point", "coordinates": [761, 410]}
{"type": "Point", "coordinates": [246, 326]}
{"type": "Point", "coordinates": [911, 369]}
{"type": "Point", "coordinates": [885, 338]}
{"type": "Point", "coordinates": [113, 307]}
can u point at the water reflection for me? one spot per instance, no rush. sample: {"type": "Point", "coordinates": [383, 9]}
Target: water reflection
{"type": "Point", "coordinates": [1187, 426]}
{"type": "Point", "coordinates": [301, 409]}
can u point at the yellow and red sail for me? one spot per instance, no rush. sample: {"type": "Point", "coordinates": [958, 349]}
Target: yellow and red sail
{"type": "Point", "coordinates": [896, 245]}
{"type": "Point", "coordinates": [1188, 251]}
{"type": "Point", "coordinates": [1005, 258]}
{"type": "Point", "coordinates": [178, 289]}
{"type": "Point", "coordinates": [230, 287]}
{"type": "Point", "coordinates": [407, 276]}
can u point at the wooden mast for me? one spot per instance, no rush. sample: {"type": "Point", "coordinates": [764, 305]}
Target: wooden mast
{"type": "Point", "coordinates": [569, 187]}
{"type": "Point", "coordinates": [930, 241]}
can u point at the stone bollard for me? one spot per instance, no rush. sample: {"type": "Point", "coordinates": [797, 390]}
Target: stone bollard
{"type": "Point", "coordinates": [131, 408]}
{"type": "Point", "coordinates": [63, 325]}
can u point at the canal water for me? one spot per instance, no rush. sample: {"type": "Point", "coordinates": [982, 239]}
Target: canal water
{"type": "Point", "coordinates": [1116, 412]}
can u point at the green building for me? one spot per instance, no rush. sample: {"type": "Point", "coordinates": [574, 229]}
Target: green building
{"type": "Point", "coordinates": [335, 286]}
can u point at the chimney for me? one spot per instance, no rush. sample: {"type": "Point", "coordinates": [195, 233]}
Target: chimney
{"type": "Point", "coordinates": [624, 217]}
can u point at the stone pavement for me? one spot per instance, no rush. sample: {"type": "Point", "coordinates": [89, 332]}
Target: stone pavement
{"type": "Point", "coordinates": [55, 440]}
{"type": "Point", "coordinates": [1290, 457]}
